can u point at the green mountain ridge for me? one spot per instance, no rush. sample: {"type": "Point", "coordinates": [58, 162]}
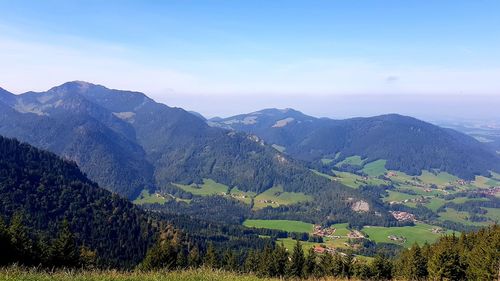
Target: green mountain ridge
{"type": "Point", "coordinates": [408, 144]}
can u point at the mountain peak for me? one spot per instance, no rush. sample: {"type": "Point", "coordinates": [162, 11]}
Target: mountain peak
{"type": "Point", "coordinates": [76, 87]}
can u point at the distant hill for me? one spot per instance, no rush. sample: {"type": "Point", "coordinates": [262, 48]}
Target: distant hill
{"type": "Point", "coordinates": [46, 190]}
{"type": "Point", "coordinates": [408, 144]}
{"type": "Point", "coordinates": [128, 143]}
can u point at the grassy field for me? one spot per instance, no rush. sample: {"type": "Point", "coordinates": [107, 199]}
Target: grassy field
{"type": "Point", "coordinates": [209, 187]}
{"type": "Point", "coordinates": [279, 197]}
{"type": "Point", "coordinates": [439, 179]}
{"type": "Point", "coordinates": [457, 216]}
{"type": "Point", "coordinates": [419, 233]}
{"type": "Point", "coordinates": [285, 225]}
{"type": "Point", "coordinates": [245, 197]}
{"type": "Point", "coordinates": [18, 274]}
{"type": "Point", "coordinates": [289, 244]}
{"type": "Point", "coordinates": [147, 198]}
{"type": "Point", "coordinates": [484, 182]}
{"type": "Point", "coordinates": [375, 168]}
{"type": "Point", "coordinates": [351, 160]}
{"type": "Point", "coordinates": [398, 196]}
{"type": "Point", "coordinates": [326, 161]}
{"type": "Point", "coordinates": [355, 181]}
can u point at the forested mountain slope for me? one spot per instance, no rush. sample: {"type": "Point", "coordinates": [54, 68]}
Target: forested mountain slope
{"type": "Point", "coordinates": [128, 143]}
{"type": "Point", "coordinates": [45, 191]}
{"type": "Point", "coordinates": [408, 144]}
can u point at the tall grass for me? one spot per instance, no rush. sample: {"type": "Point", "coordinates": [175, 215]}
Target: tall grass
{"type": "Point", "coordinates": [33, 274]}
{"type": "Point", "coordinates": [15, 273]}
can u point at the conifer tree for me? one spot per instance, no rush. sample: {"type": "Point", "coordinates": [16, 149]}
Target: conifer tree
{"type": "Point", "coordinates": [280, 258]}
{"type": "Point", "coordinates": [194, 259]}
{"type": "Point", "coordinates": [310, 265]}
{"type": "Point", "coordinates": [5, 243]}
{"type": "Point", "coordinates": [20, 240]}
{"type": "Point", "coordinates": [296, 266]}
{"type": "Point", "coordinates": [211, 258]}
{"type": "Point", "coordinates": [251, 262]}
{"type": "Point", "coordinates": [63, 251]}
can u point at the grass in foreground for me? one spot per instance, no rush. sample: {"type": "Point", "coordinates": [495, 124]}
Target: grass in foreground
{"type": "Point", "coordinates": [285, 225]}
{"type": "Point", "coordinates": [20, 274]}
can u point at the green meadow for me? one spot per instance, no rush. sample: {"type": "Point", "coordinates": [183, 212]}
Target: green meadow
{"type": "Point", "coordinates": [375, 168]}
{"type": "Point", "coordinates": [280, 197]}
{"type": "Point", "coordinates": [209, 187]}
{"type": "Point", "coordinates": [351, 160]}
{"type": "Point", "coordinates": [285, 225]}
{"type": "Point", "coordinates": [420, 233]}
{"type": "Point", "coordinates": [147, 198]}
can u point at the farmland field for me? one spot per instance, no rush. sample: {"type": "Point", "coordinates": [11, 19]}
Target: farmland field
{"type": "Point", "coordinates": [351, 160]}
{"type": "Point", "coordinates": [375, 168]}
{"type": "Point", "coordinates": [285, 225]}
{"type": "Point", "coordinates": [439, 179]}
{"type": "Point", "coordinates": [289, 244]}
{"type": "Point", "coordinates": [147, 198]}
{"type": "Point", "coordinates": [420, 233]}
{"type": "Point", "coordinates": [209, 187]}
{"type": "Point", "coordinates": [279, 197]}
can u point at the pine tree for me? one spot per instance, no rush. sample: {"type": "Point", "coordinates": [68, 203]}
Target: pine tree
{"type": "Point", "coordinates": [310, 265]}
{"type": "Point", "coordinates": [63, 251]}
{"type": "Point", "coordinates": [381, 268]}
{"type": "Point", "coordinates": [5, 243]}
{"type": "Point", "coordinates": [194, 259]}
{"type": "Point", "coordinates": [230, 261]}
{"type": "Point", "coordinates": [211, 258]}
{"type": "Point", "coordinates": [326, 265]}
{"type": "Point", "coordinates": [266, 262]}
{"type": "Point", "coordinates": [252, 262]}
{"type": "Point", "coordinates": [445, 262]}
{"type": "Point", "coordinates": [296, 266]}
{"type": "Point", "coordinates": [280, 258]}
{"type": "Point", "coordinates": [20, 240]}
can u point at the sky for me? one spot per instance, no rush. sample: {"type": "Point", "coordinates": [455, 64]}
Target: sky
{"type": "Point", "coordinates": [429, 59]}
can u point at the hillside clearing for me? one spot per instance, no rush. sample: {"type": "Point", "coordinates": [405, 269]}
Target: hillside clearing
{"type": "Point", "coordinates": [285, 225]}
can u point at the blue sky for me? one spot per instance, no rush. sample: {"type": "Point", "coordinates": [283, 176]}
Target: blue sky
{"type": "Point", "coordinates": [243, 55]}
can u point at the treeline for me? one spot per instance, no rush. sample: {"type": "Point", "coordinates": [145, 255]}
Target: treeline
{"type": "Point", "coordinates": [19, 247]}
{"type": "Point", "coordinates": [472, 256]}
{"type": "Point", "coordinates": [47, 190]}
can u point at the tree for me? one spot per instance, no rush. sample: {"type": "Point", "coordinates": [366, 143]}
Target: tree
{"type": "Point", "coordinates": [280, 258]}
{"type": "Point", "coordinates": [310, 265]}
{"type": "Point", "coordinates": [20, 240]}
{"type": "Point", "coordinates": [5, 243]}
{"type": "Point", "coordinates": [211, 258]}
{"type": "Point", "coordinates": [251, 262]}
{"type": "Point", "coordinates": [63, 251]}
{"type": "Point", "coordinates": [296, 266]}
{"type": "Point", "coordinates": [326, 265]}
{"type": "Point", "coordinates": [194, 259]}
{"type": "Point", "coordinates": [230, 261]}
{"type": "Point", "coordinates": [381, 268]}
{"type": "Point", "coordinates": [445, 262]}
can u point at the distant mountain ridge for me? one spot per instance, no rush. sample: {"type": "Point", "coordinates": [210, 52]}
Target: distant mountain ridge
{"type": "Point", "coordinates": [408, 144]}
{"type": "Point", "coordinates": [140, 140]}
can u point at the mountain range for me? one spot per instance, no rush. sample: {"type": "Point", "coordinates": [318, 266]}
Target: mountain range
{"type": "Point", "coordinates": [129, 144]}
{"type": "Point", "coordinates": [408, 144]}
